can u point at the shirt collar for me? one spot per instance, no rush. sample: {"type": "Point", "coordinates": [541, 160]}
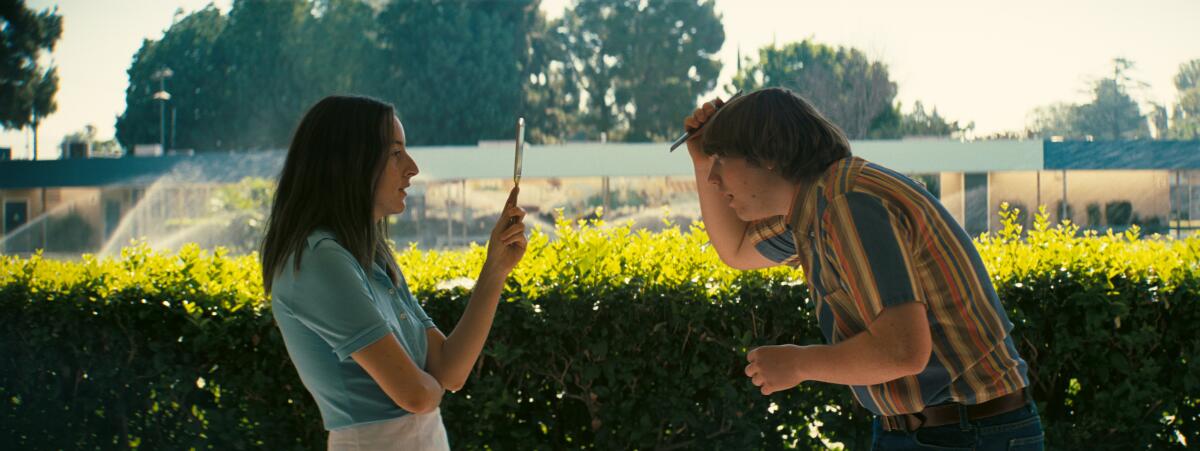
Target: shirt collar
{"type": "Point", "coordinates": [803, 215]}
{"type": "Point", "coordinates": [318, 235]}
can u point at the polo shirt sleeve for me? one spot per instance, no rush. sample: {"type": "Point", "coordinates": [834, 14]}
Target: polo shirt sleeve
{"type": "Point", "coordinates": [870, 243]}
{"type": "Point", "coordinates": [416, 306]}
{"type": "Point", "coordinates": [334, 300]}
{"type": "Point", "coordinates": [772, 238]}
{"type": "Point", "coordinates": [421, 315]}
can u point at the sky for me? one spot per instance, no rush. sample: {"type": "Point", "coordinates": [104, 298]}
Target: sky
{"type": "Point", "coordinates": [987, 62]}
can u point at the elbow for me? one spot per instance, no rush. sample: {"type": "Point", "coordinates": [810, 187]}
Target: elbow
{"type": "Point", "coordinates": [905, 338]}
{"type": "Point", "coordinates": [428, 405]}
{"type": "Point", "coordinates": [448, 382]}
{"type": "Point", "coordinates": [913, 363]}
{"type": "Point", "coordinates": [728, 261]}
{"type": "Point", "coordinates": [423, 401]}
{"type": "Point", "coordinates": [422, 404]}
{"type": "Point", "coordinates": [733, 262]}
{"type": "Point", "coordinates": [915, 358]}
{"type": "Point", "coordinates": [745, 258]}
{"type": "Point", "coordinates": [727, 256]}
{"type": "Point", "coordinates": [454, 385]}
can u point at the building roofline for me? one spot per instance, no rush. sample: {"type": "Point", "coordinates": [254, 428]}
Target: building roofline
{"type": "Point", "coordinates": [494, 160]}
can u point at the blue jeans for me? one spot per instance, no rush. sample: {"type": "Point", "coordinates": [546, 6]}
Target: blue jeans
{"type": "Point", "coordinates": [1020, 429]}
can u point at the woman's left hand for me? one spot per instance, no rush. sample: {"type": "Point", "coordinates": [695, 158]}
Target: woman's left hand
{"type": "Point", "coordinates": [507, 243]}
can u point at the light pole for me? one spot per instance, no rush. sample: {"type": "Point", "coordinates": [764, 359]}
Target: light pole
{"type": "Point", "coordinates": [162, 75]}
{"type": "Point", "coordinates": [34, 123]}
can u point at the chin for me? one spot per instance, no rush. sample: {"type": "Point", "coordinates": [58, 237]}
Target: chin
{"type": "Point", "coordinates": [749, 216]}
{"type": "Point", "coordinates": [394, 211]}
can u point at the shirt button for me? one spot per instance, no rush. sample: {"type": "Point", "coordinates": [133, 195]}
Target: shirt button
{"type": "Point", "coordinates": [403, 317]}
{"type": "Point", "coordinates": [392, 291]}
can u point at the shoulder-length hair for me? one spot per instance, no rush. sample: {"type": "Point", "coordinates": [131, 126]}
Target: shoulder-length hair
{"type": "Point", "coordinates": [328, 182]}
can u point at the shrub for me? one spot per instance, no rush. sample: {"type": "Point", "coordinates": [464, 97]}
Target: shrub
{"type": "Point", "coordinates": [606, 338]}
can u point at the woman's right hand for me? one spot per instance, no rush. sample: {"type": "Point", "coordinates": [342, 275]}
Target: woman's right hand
{"type": "Point", "coordinates": [507, 244]}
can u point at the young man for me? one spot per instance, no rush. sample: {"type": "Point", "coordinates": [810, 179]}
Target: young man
{"type": "Point", "coordinates": [912, 322]}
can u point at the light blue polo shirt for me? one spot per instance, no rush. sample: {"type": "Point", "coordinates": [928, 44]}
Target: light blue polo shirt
{"type": "Point", "coordinates": [330, 309]}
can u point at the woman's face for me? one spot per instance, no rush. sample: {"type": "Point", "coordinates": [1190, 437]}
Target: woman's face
{"type": "Point", "coordinates": [398, 171]}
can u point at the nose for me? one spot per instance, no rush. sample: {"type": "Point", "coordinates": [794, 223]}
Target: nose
{"type": "Point", "coordinates": [413, 170]}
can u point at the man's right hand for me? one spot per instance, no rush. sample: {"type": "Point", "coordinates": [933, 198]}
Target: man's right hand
{"type": "Point", "coordinates": [696, 121]}
{"type": "Point", "coordinates": [725, 230]}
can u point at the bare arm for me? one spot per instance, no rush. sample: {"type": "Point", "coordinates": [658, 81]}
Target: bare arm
{"type": "Point", "coordinates": [450, 358]}
{"type": "Point", "coordinates": [392, 368]}
{"type": "Point", "coordinates": [895, 345]}
{"type": "Point", "coordinates": [726, 231]}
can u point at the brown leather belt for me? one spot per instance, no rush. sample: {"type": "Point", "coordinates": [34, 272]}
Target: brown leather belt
{"type": "Point", "coordinates": [944, 414]}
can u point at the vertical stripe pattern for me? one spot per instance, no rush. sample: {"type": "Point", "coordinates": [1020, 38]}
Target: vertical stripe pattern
{"type": "Point", "coordinates": [870, 238]}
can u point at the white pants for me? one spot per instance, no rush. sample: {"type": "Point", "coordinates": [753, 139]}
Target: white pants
{"type": "Point", "coordinates": [423, 432]}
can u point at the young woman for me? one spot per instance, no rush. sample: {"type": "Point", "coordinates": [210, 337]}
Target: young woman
{"type": "Point", "coordinates": [374, 362]}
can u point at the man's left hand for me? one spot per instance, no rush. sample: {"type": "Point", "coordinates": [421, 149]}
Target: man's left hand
{"type": "Point", "coordinates": [775, 368]}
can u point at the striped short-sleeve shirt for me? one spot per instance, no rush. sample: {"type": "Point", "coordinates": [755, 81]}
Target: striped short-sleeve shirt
{"type": "Point", "coordinates": [869, 238]}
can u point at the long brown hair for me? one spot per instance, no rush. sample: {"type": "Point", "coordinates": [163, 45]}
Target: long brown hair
{"type": "Point", "coordinates": [328, 182]}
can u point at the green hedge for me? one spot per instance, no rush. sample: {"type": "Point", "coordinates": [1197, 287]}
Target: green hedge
{"type": "Point", "coordinates": [608, 338]}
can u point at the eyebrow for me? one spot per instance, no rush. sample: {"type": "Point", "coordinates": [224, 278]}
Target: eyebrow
{"type": "Point", "coordinates": [399, 142]}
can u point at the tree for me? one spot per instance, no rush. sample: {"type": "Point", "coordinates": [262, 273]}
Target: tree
{"type": "Point", "coordinates": [1112, 114]}
{"type": "Point", "coordinates": [87, 136]}
{"type": "Point", "coordinates": [338, 48]}
{"type": "Point", "coordinates": [1056, 119]}
{"type": "Point", "coordinates": [242, 81]}
{"type": "Point", "coordinates": [1185, 120]}
{"type": "Point", "coordinates": [855, 93]}
{"type": "Point", "coordinates": [643, 64]}
{"type": "Point", "coordinates": [454, 69]}
{"type": "Point", "coordinates": [457, 71]}
{"type": "Point", "coordinates": [1160, 120]}
{"type": "Point", "coordinates": [241, 210]}
{"type": "Point", "coordinates": [199, 100]}
{"type": "Point", "coordinates": [1188, 76]}
{"type": "Point", "coordinates": [920, 123]}
{"type": "Point", "coordinates": [259, 54]}
{"type": "Point", "coordinates": [852, 91]}
{"type": "Point", "coordinates": [27, 88]}
{"type": "Point", "coordinates": [552, 85]}
{"type": "Point", "coordinates": [236, 81]}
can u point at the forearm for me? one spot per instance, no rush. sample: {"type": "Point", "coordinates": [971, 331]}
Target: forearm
{"type": "Point", "coordinates": [462, 347]}
{"type": "Point", "coordinates": [725, 230]}
{"type": "Point", "coordinates": [391, 367]}
{"type": "Point", "coordinates": [865, 359]}
{"type": "Point", "coordinates": [427, 396]}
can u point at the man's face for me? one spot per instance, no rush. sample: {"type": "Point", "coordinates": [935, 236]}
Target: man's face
{"type": "Point", "coordinates": [754, 192]}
